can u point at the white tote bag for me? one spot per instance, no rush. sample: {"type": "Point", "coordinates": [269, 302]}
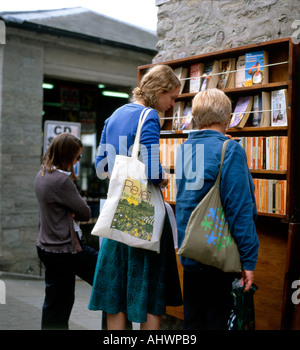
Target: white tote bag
{"type": "Point", "coordinates": [134, 211]}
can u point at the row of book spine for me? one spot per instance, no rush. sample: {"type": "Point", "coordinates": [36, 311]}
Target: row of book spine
{"type": "Point", "coordinates": [270, 196]}
{"type": "Point", "coordinates": [168, 150]}
{"type": "Point", "coordinates": [263, 153]}
{"type": "Point", "coordinates": [269, 153]}
{"type": "Point", "coordinates": [169, 192]}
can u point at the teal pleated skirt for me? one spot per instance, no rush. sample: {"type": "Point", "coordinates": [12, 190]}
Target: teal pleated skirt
{"type": "Point", "coordinates": [136, 281]}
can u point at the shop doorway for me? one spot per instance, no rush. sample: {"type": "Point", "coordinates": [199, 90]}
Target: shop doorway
{"type": "Point", "coordinates": [90, 105]}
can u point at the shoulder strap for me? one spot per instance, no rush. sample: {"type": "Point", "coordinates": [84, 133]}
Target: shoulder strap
{"type": "Point", "coordinates": [218, 180]}
{"type": "Point", "coordinates": [136, 145]}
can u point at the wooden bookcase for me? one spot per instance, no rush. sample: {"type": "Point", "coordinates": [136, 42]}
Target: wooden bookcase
{"type": "Point", "coordinates": [279, 233]}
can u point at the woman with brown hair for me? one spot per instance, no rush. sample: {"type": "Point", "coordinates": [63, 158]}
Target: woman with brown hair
{"type": "Point", "coordinates": [58, 244]}
{"type": "Point", "coordinates": [133, 283]}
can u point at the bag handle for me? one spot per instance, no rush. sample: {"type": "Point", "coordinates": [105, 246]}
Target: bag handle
{"type": "Point", "coordinates": [136, 145]}
{"type": "Point", "coordinates": [218, 180]}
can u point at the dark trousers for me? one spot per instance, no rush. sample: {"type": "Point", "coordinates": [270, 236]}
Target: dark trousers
{"type": "Point", "coordinates": [60, 272]}
{"type": "Point", "coordinates": [207, 299]}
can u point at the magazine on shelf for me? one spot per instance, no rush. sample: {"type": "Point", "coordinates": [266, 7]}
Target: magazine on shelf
{"type": "Point", "coordinates": [181, 74]}
{"type": "Point", "coordinates": [186, 120]}
{"type": "Point", "coordinates": [279, 107]}
{"type": "Point", "coordinates": [177, 114]}
{"type": "Point", "coordinates": [227, 76]}
{"type": "Point", "coordinates": [256, 70]}
{"type": "Point", "coordinates": [241, 112]}
{"type": "Point", "coordinates": [210, 78]}
{"type": "Point", "coordinates": [240, 72]}
{"type": "Point", "coordinates": [196, 71]}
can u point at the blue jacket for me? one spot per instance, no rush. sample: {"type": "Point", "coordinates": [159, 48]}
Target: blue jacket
{"type": "Point", "coordinates": [118, 137]}
{"type": "Point", "coordinates": [196, 172]}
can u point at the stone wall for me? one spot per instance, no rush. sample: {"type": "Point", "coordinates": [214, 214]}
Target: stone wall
{"type": "Point", "coordinates": [22, 106]}
{"type": "Point", "coordinates": [192, 27]}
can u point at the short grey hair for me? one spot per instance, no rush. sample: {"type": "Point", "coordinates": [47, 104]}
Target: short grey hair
{"type": "Point", "coordinates": [209, 107]}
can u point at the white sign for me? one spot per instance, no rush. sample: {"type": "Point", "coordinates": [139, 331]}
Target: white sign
{"type": "Point", "coordinates": [53, 128]}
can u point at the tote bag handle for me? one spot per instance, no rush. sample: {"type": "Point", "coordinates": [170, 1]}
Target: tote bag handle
{"type": "Point", "coordinates": [218, 180]}
{"type": "Point", "coordinates": [136, 145]}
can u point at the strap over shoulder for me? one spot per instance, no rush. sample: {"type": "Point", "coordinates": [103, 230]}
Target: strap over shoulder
{"type": "Point", "coordinates": [143, 116]}
{"type": "Point", "coordinates": [221, 162]}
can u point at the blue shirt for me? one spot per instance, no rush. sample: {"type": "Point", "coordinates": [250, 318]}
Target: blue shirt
{"type": "Point", "coordinates": [197, 166]}
{"type": "Point", "coordinates": [118, 137]}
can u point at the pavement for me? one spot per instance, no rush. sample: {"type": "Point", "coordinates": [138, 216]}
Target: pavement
{"type": "Point", "coordinates": [24, 299]}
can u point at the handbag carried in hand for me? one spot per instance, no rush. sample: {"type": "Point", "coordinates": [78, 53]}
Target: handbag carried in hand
{"type": "Point", "coordinates": [134, 211]}
{"type": "Point", "coordinates": [207, 236]}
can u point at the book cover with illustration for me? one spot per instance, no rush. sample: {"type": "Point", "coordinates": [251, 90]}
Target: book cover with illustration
{"type": "Point", "coordinates": [227, 76]}
{"type": "Point", "coordinates": [177, 115]}
{"type": "Point", "coordinates": [186, 120]}
{"type": "Point", "coordinates": [135, 210]}
{"type": "Point", "coordinates": [257, 110]}
{"type": "Point", "coordinates": [196, 71]}
{"type": "Point", "coordinates": [181, 73]}
{"type": "Point", "coordinates": [240, 72]}
{"type": "Point", "coordinates": [210, 77]}
{"type": "Point", "coordinates": [279, 107]}
{"type": "Point", "coordinates": [256, 71]}
{"type": "Point", "coordinates": [241, 112]}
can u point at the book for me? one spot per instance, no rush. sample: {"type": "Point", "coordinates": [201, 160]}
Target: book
{"type": "Point", "coordinates": [279, 107]}
{"type": "Point", "coordinates": [161, 116]}
{"type": "Point", "coordinates": [257, 110]}
{"type": "Point", "coordinates": [256, 71]}
{"type": "Point", "coordinates": [241, 112]}
{"type": "Point", "coordinates": [270, 196]}
{"type": "Point", "coordinates": [227, 76]}
{"type": "Point", "coordinates": [181, 73]}
{"type": "Point", "coordinates": [210, 77]}
{"type": "Point", "coordinates": [168, 151]}
{"type": "Point", "coordinates": [196, 71]}
{"type": "Point", "coordinates": [186, 120]}
{"type": "Point", "coordinates": [177, 114]}
{"type": "Point", "coordinates": [266, 107]}
{"type": "Point", "coordinates": [240, 72]}
{"type": "Point", "coordinates": [265, 152]}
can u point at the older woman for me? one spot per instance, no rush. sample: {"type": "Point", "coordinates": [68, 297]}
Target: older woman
{"type": "Point", "coordinates": [130, 282]}
{"type": "Point", "coordinates": [208, 302]}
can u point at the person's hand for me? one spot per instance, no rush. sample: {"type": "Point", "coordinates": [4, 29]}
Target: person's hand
{"type": "Point", "coordinates": [164, 183]}
{"type": "Point", "coordinates": [247, 279]}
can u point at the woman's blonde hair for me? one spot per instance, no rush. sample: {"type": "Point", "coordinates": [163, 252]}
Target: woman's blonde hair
{"type": "Point", "coordinates": [61, 153]}
{"type": "Point", "coordinates": [209, 107]}
{"type": "Point", "coordinates": [158, 79]}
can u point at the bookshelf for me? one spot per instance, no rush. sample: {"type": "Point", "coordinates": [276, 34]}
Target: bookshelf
{"type": "Point", "coordinates": [278, 230]}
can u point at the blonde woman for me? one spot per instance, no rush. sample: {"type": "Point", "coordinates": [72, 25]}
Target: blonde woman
{"type": "Point", "coordinates": [132, 283]}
